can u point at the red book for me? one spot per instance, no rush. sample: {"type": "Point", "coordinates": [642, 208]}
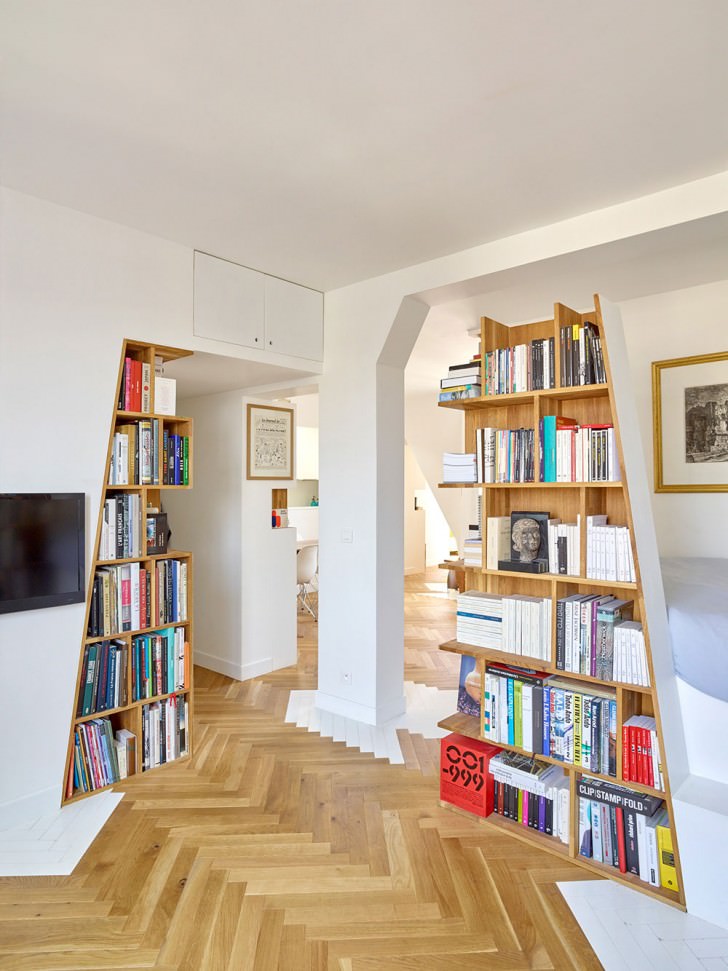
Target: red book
{"type": "Point", "coordinates": [621, 847]}
{"type": "Point", "coordinates": [647, 748]}
{"type": "Point", "coordinates": [639, 739]}
{"type": "Point", "coordinates": [136, 370]}
{"type": "Point", "coordinates": [633, 772]}
{"type": "Point", "coordinates": [126, 390]}
{"type": "Point", "coordinates": [626, 775]}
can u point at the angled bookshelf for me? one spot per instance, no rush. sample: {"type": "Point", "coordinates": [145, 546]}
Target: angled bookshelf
{"type": "Point", "coordinates": [133, 700]}
{"type": "Point", "coordinates": [573, 502]}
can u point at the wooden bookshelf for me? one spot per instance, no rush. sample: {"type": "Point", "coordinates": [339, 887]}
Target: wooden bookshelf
{"type": "Point", "coordinates": [164, 583]}
{"type": "Point", "coordinates": [570, 502]}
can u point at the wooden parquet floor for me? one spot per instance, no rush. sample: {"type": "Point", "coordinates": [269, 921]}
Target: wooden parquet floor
{"type": "Point", "coordinates": [275, 849]}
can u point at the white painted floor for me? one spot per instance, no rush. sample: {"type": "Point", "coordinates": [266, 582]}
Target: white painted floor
{"type": "Point", "coordinates": [425, 707]}
{"type": "Point", "coordinates": [632, 932]}
{"type": "Point", "coordinates": [53, 844]}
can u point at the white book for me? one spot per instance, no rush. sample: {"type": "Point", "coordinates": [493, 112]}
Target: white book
{"type": "Point", "coordinates": [120, 748]}
{"type": "Point", "coordinates": [165, 396]}
{"type": "Point", "coordinates": [596, 824]}
{"type": "Point", "coordinates": [527, 716]}
{"type": "Point", "coordinates": [642, 851]}
{"type": "Point", "coordinates": [653, 859]}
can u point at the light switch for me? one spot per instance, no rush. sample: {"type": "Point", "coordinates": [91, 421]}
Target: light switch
{"type": "Point", "coordinates": [347, 535]}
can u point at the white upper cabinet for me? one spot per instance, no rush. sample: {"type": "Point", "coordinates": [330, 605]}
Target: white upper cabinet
{"type": "Point", "coordinates": [293, 319]}
{"type": "Point", "coordinates": [229, 302]}
{"type": "Point", "coordinates": [241, 306]}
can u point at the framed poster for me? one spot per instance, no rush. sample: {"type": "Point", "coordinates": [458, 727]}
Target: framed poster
{"type": "Point", "coordinates": [690, 414]}
{"type": "Point", "coordinates": [270, 442]}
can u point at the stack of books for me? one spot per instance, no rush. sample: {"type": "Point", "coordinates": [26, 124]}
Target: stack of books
{"type": "Point", "coordinates": [480, 619]}
{"type": "Point", "coordinates": [462, 381]}
{"type": "Point", "coordinates": [459, 467]}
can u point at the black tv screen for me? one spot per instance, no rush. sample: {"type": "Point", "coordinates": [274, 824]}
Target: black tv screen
{"type": "Point", "coordinates": [42, 550]}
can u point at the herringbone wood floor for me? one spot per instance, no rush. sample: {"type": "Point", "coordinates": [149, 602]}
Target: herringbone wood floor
{"type": "Point", "coordinates": [275, 849]}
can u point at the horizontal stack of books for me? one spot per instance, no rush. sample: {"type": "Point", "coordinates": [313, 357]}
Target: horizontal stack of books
{"type": "Point", "coordinates": [473, 546]}
{"type": "Point", "coordinates": [462, 381]}
{"type": "Point", "coordinates": [459, 467]}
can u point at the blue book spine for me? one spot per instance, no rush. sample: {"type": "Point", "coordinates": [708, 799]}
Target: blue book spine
{"type": "Point", "coordinates": [546, 750]}
{"type": "Point", "coordinates": [511, 714]}
{"type": "Point", "coordinates": [549, 448]}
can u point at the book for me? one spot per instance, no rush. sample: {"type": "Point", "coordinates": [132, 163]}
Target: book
{"type": "Point", "coordinates": [616, 795]}
{"type": "Point", "coordinates": [165, 395]}
{"type": "Point", "coordinates": [470, 690]}
{"type": "Point", "coordinates": [497, 540]}
{"type": "Point", "coordinates": [666, 853]}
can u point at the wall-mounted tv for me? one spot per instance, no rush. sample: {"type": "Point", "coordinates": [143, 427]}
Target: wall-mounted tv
{"type": "Point", "coordinates": [42, 550]}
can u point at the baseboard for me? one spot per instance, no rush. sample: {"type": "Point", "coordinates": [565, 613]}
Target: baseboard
{"type": "Point", "coordinates": [35, 805]}
{"type": "Point", "coordinates": [239, 672]}
{"type": "Point", "coordinates": [361, 713]}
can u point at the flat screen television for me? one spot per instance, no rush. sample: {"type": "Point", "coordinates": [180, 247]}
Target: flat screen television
{"type": "Point", "coordinates": [42, 550]}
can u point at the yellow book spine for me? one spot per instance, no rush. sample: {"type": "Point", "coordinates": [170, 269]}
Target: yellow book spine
{"type": "Point", "coordinates": [668, 870]}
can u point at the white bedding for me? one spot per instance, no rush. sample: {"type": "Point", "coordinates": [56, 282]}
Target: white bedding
{"type": "Point", "coordinates": [696, 591]}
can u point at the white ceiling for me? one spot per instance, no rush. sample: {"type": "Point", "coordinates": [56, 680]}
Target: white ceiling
{"type": "Point", "coordinates": [327, 141]}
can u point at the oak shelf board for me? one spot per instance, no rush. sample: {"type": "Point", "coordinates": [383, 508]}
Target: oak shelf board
{"type": "Point", "coordinates": [120, 635]}
{"type": "Point", "coordinates": [169, 555]}
{"type": "Point", "coordinates": [467, 725]}
{"type": "Point", "coordinates": [534, 663]}
{"type": "Point", "coordinates": [529, 485]}
{"type": "Point", "coordinates": [161, 350]}
{"type": "Point", "coordinates": [490, 654]}
{"type": "Point", "coordinates": [131, 706]}
{"type": "Point", "coordinates": [170, 419]}
{"type": "Point", "coordinates": [526, 397]}
{"type": "Point", "coordinates": [557, 577]}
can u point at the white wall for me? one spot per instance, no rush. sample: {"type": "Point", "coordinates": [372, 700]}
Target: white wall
{"type": "Point", "coordinates": [414, 518]}
{"type": "Point", "coordinates": [71, 288]}
{"type": "Point", "coordinates": [667, 325]}
{"type": "Point", "coordinates": [245, 571]}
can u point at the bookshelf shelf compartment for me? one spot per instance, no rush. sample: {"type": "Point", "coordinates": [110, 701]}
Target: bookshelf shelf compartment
{"type": "Point", "coordinates": [575, 351]}
{"type": "Point", "coordinates": [134, 448]}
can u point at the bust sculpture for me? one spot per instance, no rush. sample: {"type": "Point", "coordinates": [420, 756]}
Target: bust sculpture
{"type": "Point", "coordinates": [526, 539]}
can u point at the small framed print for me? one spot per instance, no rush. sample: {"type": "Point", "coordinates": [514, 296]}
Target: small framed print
{"type": "Point", "coordinates": [690, 415]}
{"type": "Point", "coordinates": [270, 442]}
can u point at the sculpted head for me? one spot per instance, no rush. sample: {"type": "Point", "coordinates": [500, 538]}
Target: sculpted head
{"type": "Point", "coordinates": [526, 537]}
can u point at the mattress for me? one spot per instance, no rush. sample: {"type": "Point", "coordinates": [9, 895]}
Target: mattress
{"type": "Point", "coordinates": [696, 591]}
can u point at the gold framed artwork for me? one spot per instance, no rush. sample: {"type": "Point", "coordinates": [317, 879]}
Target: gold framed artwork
{"type": "Point", "coordinates": [270, 442]}
{"type": "Point", "coordinates": [690, 414]}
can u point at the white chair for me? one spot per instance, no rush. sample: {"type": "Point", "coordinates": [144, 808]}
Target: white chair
{"type": "Point", "coordinates": [306, 567]}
